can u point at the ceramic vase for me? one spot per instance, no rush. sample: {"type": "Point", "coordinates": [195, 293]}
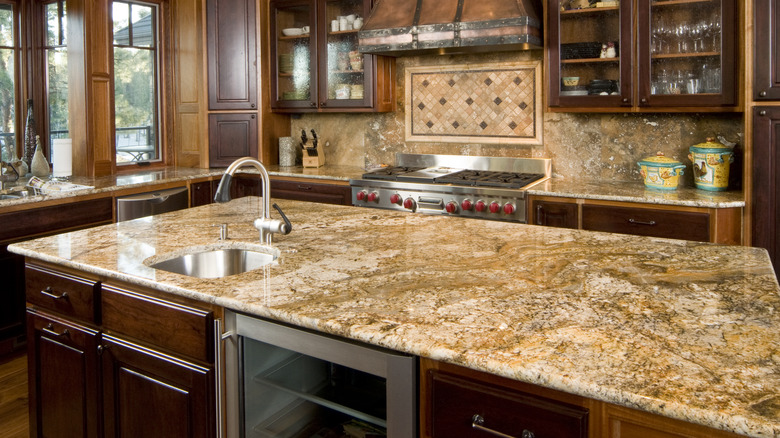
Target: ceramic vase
{"type": "Point", "coordinates": [40, 167]}
{"type": "Point", "coordinates": [29, 135]}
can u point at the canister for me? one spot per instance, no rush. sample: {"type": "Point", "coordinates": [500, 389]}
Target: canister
{"type": "Point", "coordinates": [287, 151]}
{"type": "Point", "coordinates": [661, 172]}
{"type": "Point", "coordinates": [711, 161]}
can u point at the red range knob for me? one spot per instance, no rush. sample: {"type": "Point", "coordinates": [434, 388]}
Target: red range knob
{"type": "Point", "coordinates": [395, 199]}
{"type": "Point", "coordinates": [480, 206]}
{"type": "Point", "coordinates": [361, 195]}
{"type": "Point", "coordinates": [452, 207]}
{"type": "Point", "coordinates": [409, 203]}
{"type": "Point", "coordinates": [494, 207]}
{"type": "Point", "coordinates": [509, 208]}
{"type": "Point", "coordinates": [466, 204]}
{"type": "Point", "coordinates": [373, 197]}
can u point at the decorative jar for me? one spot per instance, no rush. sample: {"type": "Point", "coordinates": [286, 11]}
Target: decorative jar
{"type": "Point", "coordinates": [711, 161]}
{"type": "Point", "coordinates": [660, 172]}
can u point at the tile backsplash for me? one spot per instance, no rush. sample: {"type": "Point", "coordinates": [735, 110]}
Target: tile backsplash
{"type": "Point", "coordinates": [583, 147]}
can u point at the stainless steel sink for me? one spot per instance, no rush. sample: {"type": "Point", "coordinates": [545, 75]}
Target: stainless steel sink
{"type": "Point", "coordinates": [218, 263]}
{"type": "Point", "coordinates": [9, 197]}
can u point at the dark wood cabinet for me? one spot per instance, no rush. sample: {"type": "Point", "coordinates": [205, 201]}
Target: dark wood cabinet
{"type": "Point", "coordinates": [765, 194]}
{"type": "Point", "coordinates": [231, 136]}
{"type": "Point", "coordinates": [232, 54]}
{"type": "Point", "coordinates": [12, 308]}
{"type": "Point", "coordinates": [107, 361]}
{"type": "Point", "coordinates": [63, 377]}
{"type": "Point", "coordinates": [202, 193]}
{"type": "Point", "coordinates": [554, 214]}
{"type": "Point", "coordinates": [677, 55]}
{"type": "Point", "coordinates": [316, 67]}
{"type": "Point", "coordinates": [766, 69]}
{"type": "Point", "coordinates": [147, 393]}
{"type": "Point", "coordinates": [305, 190]}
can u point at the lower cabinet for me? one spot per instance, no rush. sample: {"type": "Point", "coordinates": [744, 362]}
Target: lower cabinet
{"type": "Point", "coordinates": [306, 190]}
{"type": "Point", "coordinates": [11, 301]}
{"type": "Point", "coordinates": [765, 192]}
{"type": "Point", "coordinates": [202, 193]}
{"type": "Point", "coordinates": [718, 225]}
{"type": "Point", "coordinates": [136, 366]}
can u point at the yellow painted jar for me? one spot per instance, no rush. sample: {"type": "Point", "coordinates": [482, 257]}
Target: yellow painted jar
{"type": "Point", "coordinates": [711, 161]}
{"type": "Point", "coordinates": [660, 172]}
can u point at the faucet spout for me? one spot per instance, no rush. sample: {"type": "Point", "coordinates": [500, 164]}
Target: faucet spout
{"type": "Point", "coordinates": [264, 224]}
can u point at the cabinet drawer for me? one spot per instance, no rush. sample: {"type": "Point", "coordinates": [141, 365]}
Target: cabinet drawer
{"type": "Point", "coordinates": [456, 402]}
{"type": "Point", "coordinates": [71, 296]}
{"type": "Point", "coordinates": [164, 324]}
{"type": "Point", "coordinates": [647, 222]}
{"type": "Point", "coordinates": [312, 192]}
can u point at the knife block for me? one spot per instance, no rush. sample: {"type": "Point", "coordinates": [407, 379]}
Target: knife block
{"type": "Point", "coordinates": [315, 161]}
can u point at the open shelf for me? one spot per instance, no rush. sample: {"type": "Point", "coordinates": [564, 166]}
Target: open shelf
{"type": "Point", "coordinates": [589, 60]}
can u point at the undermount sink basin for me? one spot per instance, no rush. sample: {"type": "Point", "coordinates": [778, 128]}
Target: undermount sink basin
{"type": "Point", "coordinates": [217, 263]}
{"type": "Point", "coordinates": [9, 197]}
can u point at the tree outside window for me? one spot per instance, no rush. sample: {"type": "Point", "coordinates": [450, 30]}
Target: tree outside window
{"type": "Point", "coordinates": [8, 49]}
{"type": "Point", "coordinates": [56, 56]}
{"type": "Point", "coordinates": [136, 99]}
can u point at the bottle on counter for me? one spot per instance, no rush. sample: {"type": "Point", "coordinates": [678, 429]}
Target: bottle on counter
{"type": "Point", "coordinates": [29, 135]}
{"type": "Point", "coordinates": [40, 167]}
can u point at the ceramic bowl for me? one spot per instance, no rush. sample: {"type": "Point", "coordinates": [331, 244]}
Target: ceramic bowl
{"type": "Point", "coordinates": [660, 172]}
{"type": "Point", "coordinates": [711, 161]}
{"type": "Point", "coordinates": [571, 81]}
{"type": "Point", "coordinates": [292, 31]}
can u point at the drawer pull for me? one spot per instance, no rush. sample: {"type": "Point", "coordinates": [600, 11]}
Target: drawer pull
{"type": "Point", "coordinates": [50, 330]}
{"type": "Point", "coordinates": [477, 422]}
{"type": "Point", "coordinates": [49, 292]}
{"type": "Point", "coordinates": [304, 187]}
{"type": "Point", "coordinates": [636, 222]}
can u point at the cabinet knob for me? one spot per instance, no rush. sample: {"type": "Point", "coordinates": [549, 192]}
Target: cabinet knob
{"type": "Point", "coordinates": [643, 100]}
{"type": "Point", "coordinates": [625, 100]}
{"type": "Point", "coordinates": [762, 113]}
{"type": "Point", "coordinates": [323, 103]}
{"type": "Point", "coordinates": [251, 105]}
{"type": "Point", "coordinates": [762, 94]}
{"type": "Point", "coordinates": [313, 104]}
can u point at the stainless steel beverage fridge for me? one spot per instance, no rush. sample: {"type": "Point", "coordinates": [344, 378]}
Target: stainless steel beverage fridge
{"type": "Point", "coordinates": [284, 381]}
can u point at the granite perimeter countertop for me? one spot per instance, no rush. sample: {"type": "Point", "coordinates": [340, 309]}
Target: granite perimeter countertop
{"type": "Point", "coordinates": [167, 175]}
{"type": "Point", "coordinates": [635, 191]}
{"type": "Point", "coordinates": [683, 329]}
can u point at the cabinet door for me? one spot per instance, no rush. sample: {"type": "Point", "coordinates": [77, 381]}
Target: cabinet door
{"type": "Point", "coordinates": [766, 181]}
{"type": "Point", "coordinates": [579, 74]}
{"type": "Point", "coordinates": [294, 54]}
{"type": "Point", "coordinates": [150, 394]}
{"type": "Point", "coordinates": [687, 53]}
{"type": "Point", "coordinates": [554, 214]}
{"type": "Point", "coordinates": [63, 377]}
{"type": "Point", "coordinates": [231, 136]}
{"type": "Point", "coordinates": [201, 193]}
{"type": "Point", "coordinates": [766, 72]}
{"type": "Point", "coordinates": [11, 299]}
{"type": "Point", "coordinates": [232, 54]}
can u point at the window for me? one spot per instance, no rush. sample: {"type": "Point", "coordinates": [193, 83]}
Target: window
{"type": "Point", "coordinates": [56, 57]}
{"type": "Point", "coordinates": [8, 91]}
{"type": "Point", "coordinates": [136, 90]}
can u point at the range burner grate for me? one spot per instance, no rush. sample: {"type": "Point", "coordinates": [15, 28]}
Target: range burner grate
{"type": "Point", "coordinates": [484, 178]}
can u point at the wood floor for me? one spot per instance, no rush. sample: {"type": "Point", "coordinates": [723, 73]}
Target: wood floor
{"type": "Point", "coordinates": [13, 396]}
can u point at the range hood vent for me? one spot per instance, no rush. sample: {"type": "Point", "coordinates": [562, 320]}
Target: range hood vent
{"type": "Point", "coordinates": [415, 27]}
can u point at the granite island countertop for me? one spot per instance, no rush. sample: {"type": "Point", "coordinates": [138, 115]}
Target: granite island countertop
{"type": "Point", "coordinates": [683, 329]}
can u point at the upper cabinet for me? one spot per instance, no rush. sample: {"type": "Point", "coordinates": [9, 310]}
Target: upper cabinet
{"type": "Point", "coordinates": [315, 62]}
{"type": "Point", "coordinates": [766, 72]}
{"type": "Point", "coordinates": [642, 55]}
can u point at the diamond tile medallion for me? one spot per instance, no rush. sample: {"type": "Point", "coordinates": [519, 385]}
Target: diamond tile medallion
{"type": "Point", "coordinates": [488, 103]}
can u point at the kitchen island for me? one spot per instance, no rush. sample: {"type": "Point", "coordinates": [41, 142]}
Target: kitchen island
{"type": "Point", "coordinates": [682, 329]}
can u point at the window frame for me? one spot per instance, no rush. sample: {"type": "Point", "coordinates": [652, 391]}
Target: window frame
{"type": "Point", "coordinates": [163, 84]}
{"type": "Point", "coordinates": [20, 111]}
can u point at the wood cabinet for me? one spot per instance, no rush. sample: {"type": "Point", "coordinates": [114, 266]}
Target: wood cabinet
{"type": "Point", "coordinates": [765, 193]}
{"type": "Point", "coordinates": [766, 71]}
{"type": "Point", "coordinates": [231, 136]}
{"type": "Point", "coordinates": [202, 193]}
{"type": "Point", "coordinates": [717, 225]}
{"type": "Point", "coordinates": [12, 306]}
{"type": "Point", "coordinates": [316, 66]}
{"type": "Point", "coordinates": [554, 214]}
{"type": "Point", "coordinates": [232, 54]}
{"type": "Point", "coordinates": [300, 189]}
{"type": "Point", "coordinates": [108, 361]}
{"type": "Point", "coordinates": [668, 55]}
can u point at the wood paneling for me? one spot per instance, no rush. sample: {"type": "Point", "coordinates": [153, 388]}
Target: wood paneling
{"type": "Point", "coordinates": [232, 45]}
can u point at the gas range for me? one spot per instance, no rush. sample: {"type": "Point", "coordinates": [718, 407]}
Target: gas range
{"type": "Point", "coordinates": [475, 187]}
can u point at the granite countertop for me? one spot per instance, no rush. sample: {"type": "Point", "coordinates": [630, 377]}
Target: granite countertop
{"type": "Point", "coordinates": [112, 183]}
{"type": "Point", "coordinates": [683, 329]}
{"type": "Point", "coordinates": [636, 191]}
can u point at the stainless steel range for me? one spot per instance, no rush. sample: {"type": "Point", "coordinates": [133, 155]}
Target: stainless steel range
{"type": "Point", "coordinates": [477, 187]}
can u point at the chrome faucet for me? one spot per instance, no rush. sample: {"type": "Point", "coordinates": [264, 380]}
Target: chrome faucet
{"type": "Point", "coordinates": [5, 177]}
{"type": "Point", "coordinates": [264, 223]}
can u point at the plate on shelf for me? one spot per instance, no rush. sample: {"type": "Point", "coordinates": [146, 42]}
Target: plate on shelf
{"type": "Point", "coordinates": [292, 31]}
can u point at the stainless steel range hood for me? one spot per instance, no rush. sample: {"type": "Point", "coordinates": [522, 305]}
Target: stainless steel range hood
{"type": "Point", "coordinates": [414, 27]}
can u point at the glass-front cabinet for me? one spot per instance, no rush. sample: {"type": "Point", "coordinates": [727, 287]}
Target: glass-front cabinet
{"type": "Point", "coordinates": [634, 55]}
{"type": "Point", "coordinates": [317, 66]}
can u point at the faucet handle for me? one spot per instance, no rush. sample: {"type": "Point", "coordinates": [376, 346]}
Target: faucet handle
{"type": "Point", "coordinates": [287, 227]}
